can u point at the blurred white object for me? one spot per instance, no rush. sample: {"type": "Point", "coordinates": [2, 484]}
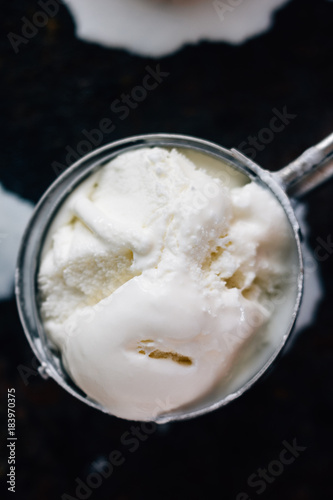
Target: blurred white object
{"type": "Point", "coordinates": [14, 215]}
{"type": "Point", "coordinates": [313, 290]}
{"type": "Point", "coordinates": [155, 28]}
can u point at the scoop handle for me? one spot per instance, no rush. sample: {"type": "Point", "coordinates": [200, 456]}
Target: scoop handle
{"type": "Point", "coordinates": [309, 170]}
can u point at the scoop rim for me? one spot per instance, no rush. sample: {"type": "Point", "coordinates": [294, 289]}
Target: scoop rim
{"type": "Point", "coordinates": [82, 168]}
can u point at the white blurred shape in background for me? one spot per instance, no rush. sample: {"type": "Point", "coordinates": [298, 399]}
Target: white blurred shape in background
{"type": "Point", "coordinates": [313, 290]}
{"type": "Point", "coordinates": [157, 28]}
{"type": "Point", "coordinates": [14, 215]}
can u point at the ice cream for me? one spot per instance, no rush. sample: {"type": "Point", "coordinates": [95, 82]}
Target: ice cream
{"type": "Point", "coordinates": [158, 272]}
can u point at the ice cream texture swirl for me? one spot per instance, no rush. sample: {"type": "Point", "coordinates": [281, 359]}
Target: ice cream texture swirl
{"type": "Point", "coordinates": [155, 276]}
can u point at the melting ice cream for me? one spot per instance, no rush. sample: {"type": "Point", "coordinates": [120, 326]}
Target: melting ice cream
{"type": "Point", "coordinates": [157, 275]}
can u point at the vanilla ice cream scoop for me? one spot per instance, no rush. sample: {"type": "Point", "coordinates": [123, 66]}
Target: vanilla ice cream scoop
{"type": "Point", "coordinates": [158, 275]}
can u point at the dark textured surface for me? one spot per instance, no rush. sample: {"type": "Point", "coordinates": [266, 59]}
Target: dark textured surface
{"type": "Point", "coordinates": [55, 87]}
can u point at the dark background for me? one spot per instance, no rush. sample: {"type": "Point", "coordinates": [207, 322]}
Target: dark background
{"type": "Point", "coordinates": [55, 87]}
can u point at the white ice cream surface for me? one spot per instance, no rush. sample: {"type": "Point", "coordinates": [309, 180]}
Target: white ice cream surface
{"type": "Point", "coordinates": [156, 276]}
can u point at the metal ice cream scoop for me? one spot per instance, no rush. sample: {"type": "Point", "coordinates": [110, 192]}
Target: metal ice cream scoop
{"type": "Point", "coordinates": [305, 173]}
